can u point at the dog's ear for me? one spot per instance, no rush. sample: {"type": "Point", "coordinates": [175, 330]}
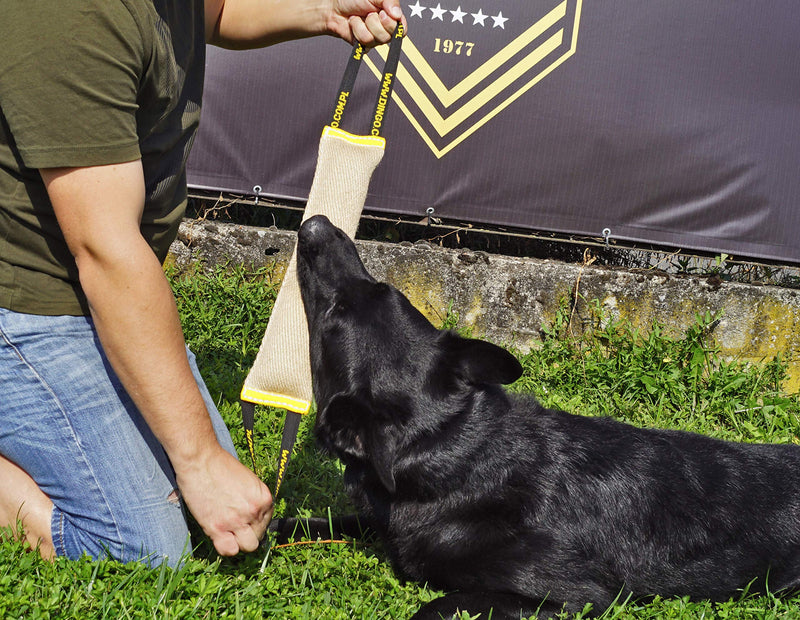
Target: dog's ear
{"type": "Point", "coordinates": [482, 362]}
{"type": "Point", "coordinates": [339, 423]}
{"type": "Point", "coordinates": [381, 448]}
{"type": "Point", "coordinates": [351, 427]}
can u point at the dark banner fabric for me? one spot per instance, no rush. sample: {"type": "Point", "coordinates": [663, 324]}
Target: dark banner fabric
{"type": "Point", "coordinates": [673, 123]}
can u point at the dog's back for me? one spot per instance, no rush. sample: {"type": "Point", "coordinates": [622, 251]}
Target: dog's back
{"type": "Point", "coordinates": [576, 509]}
{"type": "Point", "coordinates": [491, 495]}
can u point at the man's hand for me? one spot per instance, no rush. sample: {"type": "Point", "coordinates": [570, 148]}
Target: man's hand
{"type": "Point", "coordinates": [228, 501]}
{"type": "Point", "coordinates": [370, 22]}
{"type": "Point", "coordinates": [245, 24]}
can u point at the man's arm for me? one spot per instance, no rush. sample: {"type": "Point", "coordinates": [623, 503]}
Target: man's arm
{"type": "Point", "coordinates": [244, 24]}
{"type": "Point", "coordinates": [99, 210]}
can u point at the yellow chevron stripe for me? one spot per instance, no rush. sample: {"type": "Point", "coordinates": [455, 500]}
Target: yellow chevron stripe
{"type": "Point", "coordinates": [442, 125]}
{"type": "Point", "coordinates": [449, 96]}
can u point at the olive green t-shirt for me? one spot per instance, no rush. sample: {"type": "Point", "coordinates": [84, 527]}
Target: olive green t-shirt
{"type": "Point", "coordinates": [83, 83]}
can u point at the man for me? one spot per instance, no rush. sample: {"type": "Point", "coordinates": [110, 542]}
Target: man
{"type": "Point", "coordinates": [106, 429]}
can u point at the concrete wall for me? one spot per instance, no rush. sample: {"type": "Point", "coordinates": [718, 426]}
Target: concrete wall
{"type": "Point", "coordinates": [508, 300]}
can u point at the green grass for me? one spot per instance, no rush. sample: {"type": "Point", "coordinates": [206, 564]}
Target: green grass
{"type": "Point", "coordinates": [649, 380]}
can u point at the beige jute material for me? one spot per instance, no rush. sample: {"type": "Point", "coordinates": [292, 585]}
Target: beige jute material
{"type": "Point", "coordinates": [281, 373]}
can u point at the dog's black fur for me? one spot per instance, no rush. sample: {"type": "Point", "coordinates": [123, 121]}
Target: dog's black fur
{"type": "Point", "coordinates": [507, 504]}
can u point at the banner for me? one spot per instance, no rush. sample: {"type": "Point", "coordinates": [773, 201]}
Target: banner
{"type": "Point", "coordinates": [669, 123]}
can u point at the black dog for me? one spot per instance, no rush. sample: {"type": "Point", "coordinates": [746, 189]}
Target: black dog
{"type": "Point", "coordinates": [513, 507]}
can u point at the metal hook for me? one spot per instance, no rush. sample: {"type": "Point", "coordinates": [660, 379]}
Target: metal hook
{"type": "Point", "coordinates": [256, 191]}
{"type": "Point", "coordinates": [428, 219]}
{"type": "Point", "coordinates": [606, 235]}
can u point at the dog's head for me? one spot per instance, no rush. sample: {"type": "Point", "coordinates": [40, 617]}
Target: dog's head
{"type": "Point", "coordinates": [383, 375]}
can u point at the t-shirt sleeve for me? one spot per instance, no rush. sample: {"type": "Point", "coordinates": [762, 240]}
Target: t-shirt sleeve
{"type": "Point", "coordinates": [69, 75]}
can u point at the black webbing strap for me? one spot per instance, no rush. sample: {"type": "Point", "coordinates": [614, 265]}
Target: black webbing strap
{"type": "Point", "coordinates": [292, 423]}
{"type": "Point", "coordinates": [348, 82]}
{"type": "Point", "coordinates": [248, 422]}
{"type": "Point", "coordinates": [387, 82]}
{"type": "Point", "coordinates": [290, 427]}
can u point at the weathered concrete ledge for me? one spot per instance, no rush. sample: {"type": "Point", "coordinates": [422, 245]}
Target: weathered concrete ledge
{"type": "Point", "coordinates": [508, 300]}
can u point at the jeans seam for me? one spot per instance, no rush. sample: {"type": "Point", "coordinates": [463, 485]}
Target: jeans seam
{"type": "Point", "coordinates": [61, 545]}
{"type": "Point", "coordinates": [11, 345]}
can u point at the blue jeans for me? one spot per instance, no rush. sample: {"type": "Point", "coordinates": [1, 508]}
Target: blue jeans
{"type": "Point", "coordinates": [67, 421]}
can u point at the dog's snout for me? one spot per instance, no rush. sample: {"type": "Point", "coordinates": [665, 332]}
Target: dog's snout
{"type": "Point", "coordinates": [314, 230]}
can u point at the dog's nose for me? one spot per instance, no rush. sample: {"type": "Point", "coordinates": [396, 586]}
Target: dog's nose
{"type": "Point", "coordinates": [314, 228]}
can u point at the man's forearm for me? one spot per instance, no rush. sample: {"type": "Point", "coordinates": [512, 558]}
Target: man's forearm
{"type": "Point", "coordinates": [99, 210]}
{"type": "Point", "coordinates": [244, 24]}
{"type": "Point", "coordinates": [137, 322]}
